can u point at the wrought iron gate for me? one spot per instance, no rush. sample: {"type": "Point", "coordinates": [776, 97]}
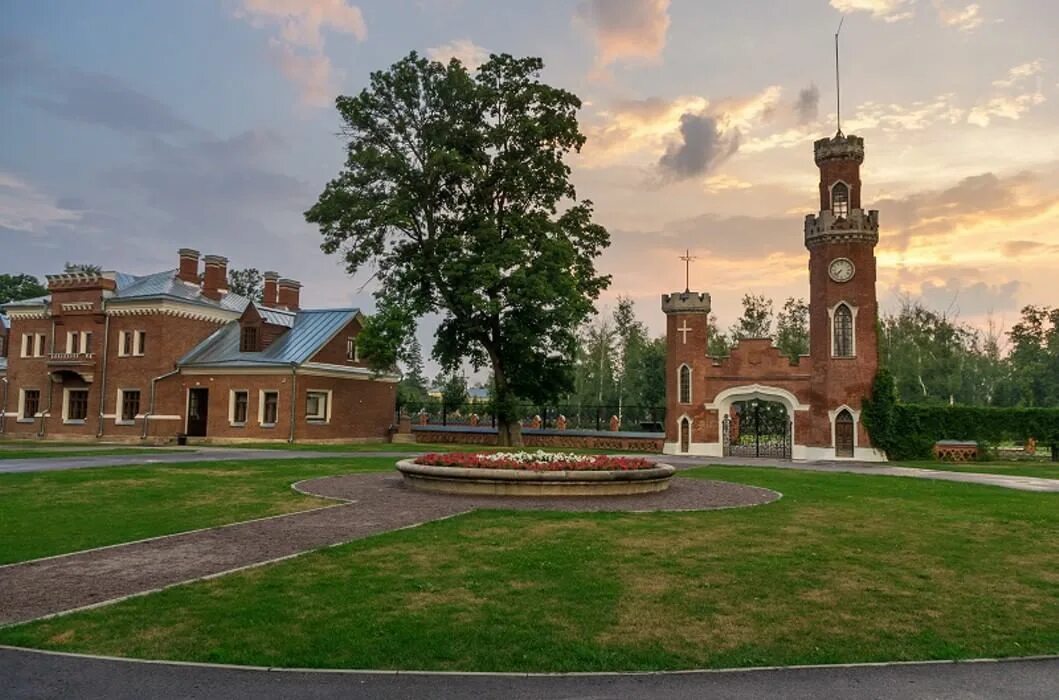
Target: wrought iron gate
{"type": "Point", "coordinates": [761, 429]}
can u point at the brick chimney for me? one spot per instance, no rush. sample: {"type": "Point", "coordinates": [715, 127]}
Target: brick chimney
{"type": "Point", "coordinates": [189, 266]}
{"type": "Point", "coordinates": [290, 294]}
{"type": "Point", "coordinates": [215, 282]}
{"type": "Point", "coordinates": [269, 297]}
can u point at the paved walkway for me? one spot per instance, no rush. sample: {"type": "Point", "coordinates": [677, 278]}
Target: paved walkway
{"type": "Point", "coordinates": [1019, 483]}
{"type": "Point", "coordinates": [372, 504]}
{"type": "Point", "coordinates": [32, 674]}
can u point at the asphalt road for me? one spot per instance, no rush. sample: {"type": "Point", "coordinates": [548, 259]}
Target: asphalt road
{"type": "Point", "coordinates": [28, 674]}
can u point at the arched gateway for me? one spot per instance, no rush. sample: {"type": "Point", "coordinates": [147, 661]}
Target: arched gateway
{"type": "Point", "coordinates": [756, 402]}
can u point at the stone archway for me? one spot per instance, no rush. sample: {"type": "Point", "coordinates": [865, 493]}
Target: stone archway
{"type": "Point", "coordinates": [748, 394]}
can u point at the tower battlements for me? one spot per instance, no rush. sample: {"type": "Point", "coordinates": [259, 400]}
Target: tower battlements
{"type": "Point", "coordinates": [686, 303]}
{"type": "Point", "coordinates": [839, 147]}
{"type": "Point", "coordinates": [859, 225]}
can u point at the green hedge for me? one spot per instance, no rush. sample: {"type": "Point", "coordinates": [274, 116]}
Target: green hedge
{"type": "Point", "coordinates": [909, 431]}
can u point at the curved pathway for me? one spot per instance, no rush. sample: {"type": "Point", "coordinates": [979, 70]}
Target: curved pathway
{"type": "Point", "coordinates": [371, 504]}
{"type": "Point", "coordinates": [31, 674]}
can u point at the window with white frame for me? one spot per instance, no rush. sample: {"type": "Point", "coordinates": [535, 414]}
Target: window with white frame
{"type": "Point", "coordinates": [684, 392]}
{"type": "Point", "coordinates": [128, 405]}
{"type": "Point", "coordinates": [78, 342]}
{"type": "Point", "coordinates": [28, 404]}
{"type": "Point", "coordinates": [131, 343]}
{"type": "Point", "coordinates": [75, 405]}
{"type": "Point", "coordinates": [268, 414]}
{"type": "Point", "coordinates": [33, 344]}
{"type": "Point", "coordinates": [352, 352]}
{"type": "Point", "coordinates": [318, 405]}
{"type": "Point", "coordinates": [239, 405]}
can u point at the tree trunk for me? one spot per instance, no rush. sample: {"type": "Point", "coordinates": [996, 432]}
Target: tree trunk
{"type": "Point", "coordinates": [508, 425]}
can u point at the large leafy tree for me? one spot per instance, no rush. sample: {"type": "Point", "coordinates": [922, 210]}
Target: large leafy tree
{"type": "Point", "coordinates": [18, 287]}
{"type": "Point", "coordinates": [792, 328]}
{"type": "Point", "coordinates": [456, 196]}
{"type": "Point", "coordinates": [756, 321]}
{"type": "Point", "coordinates": [247, 282]}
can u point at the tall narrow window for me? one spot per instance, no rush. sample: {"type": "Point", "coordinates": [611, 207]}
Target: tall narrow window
{"type": "Point", "coordinates": [269, 407]}
{"type": "Point", "coordinates": [840, 200]}
{"type": "Point", "coordinates": [843, 332]}
{"type": "Point", "coordinates": [125, 343]}
{"type": "Point", "coordinates": [685, 384]}
{"type": "Point", "coordinates": [240, 403]}
{"type": "Point", "coordinates": [30, 404]}
{"type": "Point", "coordinates": [141, 342]}
{"type": "Point", "coordinates": [351, 350]}
{"type": "Point", "coordinates": [77, 405]}
{"type": "Point", "coordinates": [130, 404]}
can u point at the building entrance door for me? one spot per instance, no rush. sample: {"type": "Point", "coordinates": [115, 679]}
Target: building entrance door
{"type": "Point", "coordinates": [844, 434]}
{"type": "Point", "coordinates": [198, 411]}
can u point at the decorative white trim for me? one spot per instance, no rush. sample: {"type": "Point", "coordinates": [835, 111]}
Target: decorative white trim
{"type": "Point", "coordinates": [695, 449]}
{"type": "Point", "coordinates": [827, 454]}
{"type": "Point", "coordinates": [35, 313]}
{"type": "Point", "coordinates": [78, 306]}
{"type": "Point", "coordinates": [171, 308]}
{"type": "Point", "coordinates": [831, 334]}
{"type": "Point", "coordinates": [746, 392]}
{"type": "Point", "coordinates": [241, 371]}
{"type": "Point", "coordinates": [324, 369]}
{"type": "Point", "coordinates": [165, 417]}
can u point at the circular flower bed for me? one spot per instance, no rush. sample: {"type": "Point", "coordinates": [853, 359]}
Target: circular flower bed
{"type": "Point", "coordinates": [534, 461]}
{"type": "Point", "coordinates": [534, 474]}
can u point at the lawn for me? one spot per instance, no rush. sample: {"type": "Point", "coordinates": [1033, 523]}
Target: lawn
{"type": "Point", "coordinates": [46, 513]}
{"type": "Point", "coordinates": [1043, 470]}
{"type": "Point", "coordinates": [37, 453]}
{"type": "Point", "coordinates": [844, 568]}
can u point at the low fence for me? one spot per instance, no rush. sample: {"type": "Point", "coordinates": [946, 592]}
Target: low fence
{"type": "Point", "coordinates": [617, 441]}
{"type": "Point", "coordinates": [595, 417]}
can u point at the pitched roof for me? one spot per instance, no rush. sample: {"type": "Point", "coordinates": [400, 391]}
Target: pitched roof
{"type": "Point", "coordinates": [160, 285]}
{"type": "Point", "coordinates": [309, 331]}
{"type": "Point", "coordinates": [167, 285]}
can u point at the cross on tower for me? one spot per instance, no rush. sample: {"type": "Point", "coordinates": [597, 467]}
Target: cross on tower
{"type": "Point", "coordinates": [687, 257]}
{"type": "Point", "coordinates": [684, 330]}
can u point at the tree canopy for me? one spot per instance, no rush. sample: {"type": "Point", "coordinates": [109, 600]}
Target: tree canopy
{"type": "Point", "coordinates": [247, 282]}
{"type": "Point", "coordinates": [20, 286]}
{"type": "Point", "coordinates": [455, 195]}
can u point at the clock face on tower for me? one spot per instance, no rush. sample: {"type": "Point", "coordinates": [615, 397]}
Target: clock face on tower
{"type": "Point", "coordinates": [841, 269]}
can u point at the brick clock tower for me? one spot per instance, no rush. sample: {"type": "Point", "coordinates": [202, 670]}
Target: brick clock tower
{"type": "Point", "coordinates": [714, 404]}
{"type": "Point", "coordinates": [843, 339]}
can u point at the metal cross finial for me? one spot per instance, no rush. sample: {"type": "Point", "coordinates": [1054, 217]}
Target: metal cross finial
{"type": "Point", "coordinates": [687, 257]}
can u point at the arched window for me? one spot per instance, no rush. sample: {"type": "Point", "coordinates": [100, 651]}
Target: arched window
{"type": "Point", "coordinates": [843, 331]}
{"type": "Point", "coordinates": [685, 434]}
{"type": "Point", "coordinates": [844, 434]}
{"type": "Point", "coordinates": [840, 200]}
{"type": "Point", "coordinates": [684, 393]}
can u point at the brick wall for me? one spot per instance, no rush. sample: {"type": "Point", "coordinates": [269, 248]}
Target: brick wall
{"type": "Point", "coordinates": [601, 441]}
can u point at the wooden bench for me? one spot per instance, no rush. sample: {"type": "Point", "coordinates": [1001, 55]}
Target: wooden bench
{"type": "Point", "coordinates": [957, 451]}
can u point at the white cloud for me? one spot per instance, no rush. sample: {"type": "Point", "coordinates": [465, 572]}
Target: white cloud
{"type": "Point", "coordinates": [625, 29]}
{"type": "Point", "coordinates": [299, 49]}
{"type": "Point", "coordinates": [965, 19]}
{"type": "Point", "coordinates": [885, 10]}
{"type": "Point", "coordinates": [466, 51]}
{"type": "Point", "coordinates": [24, 208]}
{"type": "Point", "coordinates": [1019, 99]}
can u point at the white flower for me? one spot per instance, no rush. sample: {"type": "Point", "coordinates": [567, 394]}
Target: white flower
{"type": "Point", "coordinates": [538, 456]}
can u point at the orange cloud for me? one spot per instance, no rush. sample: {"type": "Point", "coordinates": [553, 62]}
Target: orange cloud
{"type": "Point", "coordinates": [625, 29]}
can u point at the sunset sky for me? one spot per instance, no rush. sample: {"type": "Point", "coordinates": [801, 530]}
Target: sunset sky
{"type": "Point", "coordinates": [133, 129]}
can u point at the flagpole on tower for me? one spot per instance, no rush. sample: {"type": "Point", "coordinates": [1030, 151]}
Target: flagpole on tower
{"type": "Point", "coordinates": [838, 83]}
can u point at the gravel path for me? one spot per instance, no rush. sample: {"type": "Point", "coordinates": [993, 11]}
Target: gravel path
{"type": "Point", "coordinates": [375, 503]}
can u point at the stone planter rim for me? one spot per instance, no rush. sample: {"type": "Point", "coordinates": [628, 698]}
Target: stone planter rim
{"type": "Point", "coordinates": [659, 471]}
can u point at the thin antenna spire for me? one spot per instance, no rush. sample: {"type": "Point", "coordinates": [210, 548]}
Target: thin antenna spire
{"type": "Point", "coordinates": [838, 83]}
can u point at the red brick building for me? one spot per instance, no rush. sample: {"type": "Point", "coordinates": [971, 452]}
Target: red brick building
{"type": "Point", "coordinates": [756, 401]}
{"type": "Point", "coordinates": [117, 356]}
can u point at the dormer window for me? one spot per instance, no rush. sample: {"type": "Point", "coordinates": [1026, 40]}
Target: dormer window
{"type": "Point", "coordinates": [840, 200]}
{"type": "Point", "coordinates": [248, 339]}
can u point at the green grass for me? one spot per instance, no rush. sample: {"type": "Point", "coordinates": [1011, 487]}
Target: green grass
{"type": "Point", "coordinates": [844, 568]}
{"type": "Point", "coordinates": [46, 513]}
{"type": "Point", "coordinates": [18, 453]}
{"type": "Point", "coordinates": [1043, 470]}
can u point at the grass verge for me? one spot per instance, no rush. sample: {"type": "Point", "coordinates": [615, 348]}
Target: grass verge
{"type": "Point", "coordinates": [1043, 470]}
{"type": "Point", "coordinates": [46, 513]}
{"type": "Point", "coordinates": [845, 568]}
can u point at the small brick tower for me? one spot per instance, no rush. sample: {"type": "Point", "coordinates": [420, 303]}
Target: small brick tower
{"type": "Point", "coordinates": [687, 315]}
{"type": "Point", "coordinates": [843, 341]}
